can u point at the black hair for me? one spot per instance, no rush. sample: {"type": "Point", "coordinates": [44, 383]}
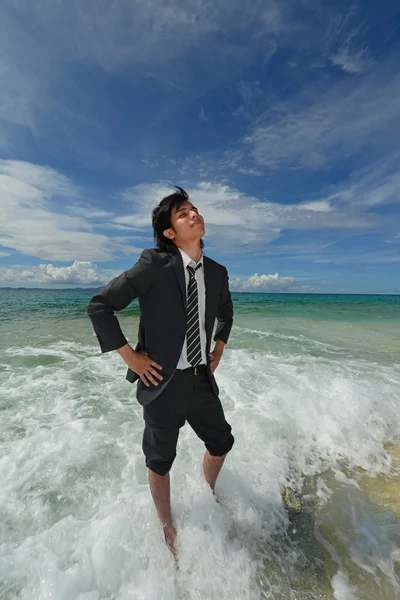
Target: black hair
{"type": "Point", "coordinates": [161, 219]}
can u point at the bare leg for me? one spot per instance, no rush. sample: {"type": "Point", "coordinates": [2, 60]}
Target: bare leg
{"type": "Point", "coordinates": [211, 468]}
{"type": "Point", "coordinates": [160, 491]}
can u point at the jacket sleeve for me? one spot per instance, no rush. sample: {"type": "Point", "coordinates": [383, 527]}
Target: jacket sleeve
{"type": "Point", "coordinates": [115, 296]}
{"type": "Point", "coordinates": [225, 312]}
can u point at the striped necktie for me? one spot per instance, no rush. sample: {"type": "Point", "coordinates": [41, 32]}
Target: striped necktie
{"type": "Point", "coordinates": [193, 344]}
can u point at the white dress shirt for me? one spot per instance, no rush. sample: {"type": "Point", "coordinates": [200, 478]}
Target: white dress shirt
{"type": "Point", "coordinates": [183, 362]}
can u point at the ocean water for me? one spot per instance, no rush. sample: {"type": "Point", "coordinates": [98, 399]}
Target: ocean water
{"type": "Point", "coordinates": [311, 386]}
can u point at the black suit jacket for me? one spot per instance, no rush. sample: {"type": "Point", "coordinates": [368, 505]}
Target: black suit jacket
{"type": "Point", "coordinates": [158, 281]}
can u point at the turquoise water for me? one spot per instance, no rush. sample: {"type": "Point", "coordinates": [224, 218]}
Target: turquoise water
{"type": "Point", "coordinates": [357, 306]}
{"type": "Point", "coordinates": [311, 386]}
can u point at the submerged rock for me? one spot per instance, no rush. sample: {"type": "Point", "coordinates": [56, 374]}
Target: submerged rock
{"type": "Point", "coordinates": [301, 595]}
{"type": "Point", "coordinates": [384, 489]}
{"type": "Point", "coordinates": [292, 500]}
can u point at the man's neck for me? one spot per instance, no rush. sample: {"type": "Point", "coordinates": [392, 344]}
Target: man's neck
{"type": "Point", "coordinates": [194, 251]}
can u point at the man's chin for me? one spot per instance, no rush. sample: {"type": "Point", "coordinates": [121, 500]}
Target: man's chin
{"type": "Point", "coordinates": [198, 231]}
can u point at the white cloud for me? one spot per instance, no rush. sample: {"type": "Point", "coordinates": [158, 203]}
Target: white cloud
{"type": "Point", "coordinates": [3, 254]}
{"type": "Point", "coordinates": [40, 38]}
{"type": "Point", "coordinates": [236, 222]}
{"type": "Point", "coordinates": [372, 185]}
{"type": "Point", "coordinates": [43, 178]}
{"type": "Point", "coordinates": [268, 283]}
{"type": "Point", "coordinates": [30, 223]}
{"type": "Point", "coordinates": [253, 172]}
{"type": "Point", "coordinates": [79, 273]}
{"type": "Point", "coordinates": [119, 33]}
{"type": "Point", "coordinates": [88, 212]}
{"type": "Point", "coordinates": [394, 239]}
{"type": "Point", "coordinates": [333, 248]}
{"type": "Point", "coordinates": [350, 53]}
{"type": "Point", "coordinates": [328, 122]}
{"type": "Point", "coordinates": [273, 18]}
{"type": "Point", "coordinates": [352, 61]}
{"type": "Point", "coordinates": [367, 257]}
{"type": "Point", "coordinates": [318, 206]}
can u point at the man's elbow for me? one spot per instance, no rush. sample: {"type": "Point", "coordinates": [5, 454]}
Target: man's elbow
{"type": "Point", "coordinates": [97, 304]}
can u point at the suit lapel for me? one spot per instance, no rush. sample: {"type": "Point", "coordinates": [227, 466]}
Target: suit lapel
{"type": "Point", "coordinates": [177, 263]}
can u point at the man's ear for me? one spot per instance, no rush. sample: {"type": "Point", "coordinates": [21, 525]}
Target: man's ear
{"type": "Point", "coordinates": [168, 233]}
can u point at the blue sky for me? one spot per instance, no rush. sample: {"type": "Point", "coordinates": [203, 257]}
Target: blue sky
{"type": "Point", "coordinates": [280, 118]}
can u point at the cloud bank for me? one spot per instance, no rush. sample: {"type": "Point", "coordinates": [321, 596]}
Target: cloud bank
{"type": "Point", "coordinates": [79, 273]}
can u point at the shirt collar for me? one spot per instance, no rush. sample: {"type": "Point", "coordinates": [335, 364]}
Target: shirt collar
{"type": "Point", "coordinates": [188, 261]}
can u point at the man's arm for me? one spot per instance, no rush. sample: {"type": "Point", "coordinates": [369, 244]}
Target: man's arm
{"type": "Point", "coordinates": [224, 313]}
{"type": "Point", "coordinates": [115, 296]}
{"type": "Point", "coordinates": [225, 320]}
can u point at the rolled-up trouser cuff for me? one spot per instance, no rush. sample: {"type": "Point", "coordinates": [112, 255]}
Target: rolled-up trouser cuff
{"type": "Point", "coordinates": [221, 449]}
{"type": "Point", "coordinates": [161, 468]}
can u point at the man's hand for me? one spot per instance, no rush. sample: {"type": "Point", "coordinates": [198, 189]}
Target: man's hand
{"type": "Point", "coordinates": [142, 364]}
{"type": "Point", "coordinates": [216, 354]}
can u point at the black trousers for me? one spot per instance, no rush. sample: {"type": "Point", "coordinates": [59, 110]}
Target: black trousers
{"type": "Point", "coordinates": [190, 398]}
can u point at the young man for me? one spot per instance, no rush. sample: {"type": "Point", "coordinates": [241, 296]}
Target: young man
{"type": "Point", "coordinates": [181, 292]}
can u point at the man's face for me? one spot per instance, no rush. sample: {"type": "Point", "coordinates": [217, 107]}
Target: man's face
{"type": "Point", "coordinates": [187, 223]}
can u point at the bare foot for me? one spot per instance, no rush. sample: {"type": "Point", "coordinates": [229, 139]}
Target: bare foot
{"type": "Point", "coordinates": [170, 539]}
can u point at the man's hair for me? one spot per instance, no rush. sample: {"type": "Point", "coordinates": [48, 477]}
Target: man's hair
{"type": "Point", "coordinates": [161, 219]}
